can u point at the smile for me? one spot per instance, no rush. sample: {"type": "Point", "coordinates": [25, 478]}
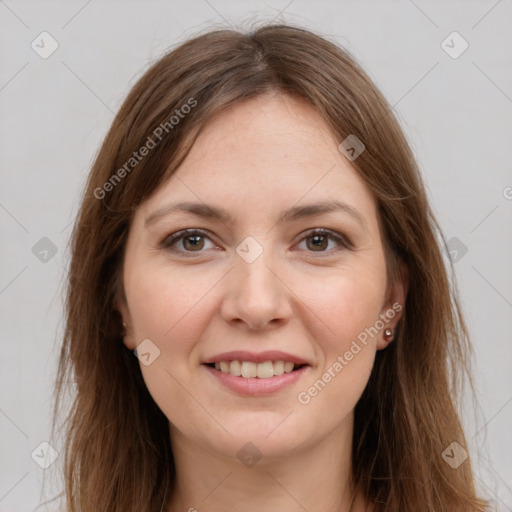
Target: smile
{"type": "Point", "coordinates": [256, 379]}
{"type": "Point", "coordinates": [249, 369]}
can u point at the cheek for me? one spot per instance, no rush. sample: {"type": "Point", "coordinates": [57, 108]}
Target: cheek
{"type": "Point", "coordinates": [162, 298]}
{"type": "Point", "coordinates": [167, 307]}
{"type": "Point", "coordinates": [348, 301]}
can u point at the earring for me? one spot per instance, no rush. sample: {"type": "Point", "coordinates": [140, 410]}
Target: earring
{"type": "Point", "coordinates": [124, 324]}
{"type": "Point", "coordinates": [388, 335]}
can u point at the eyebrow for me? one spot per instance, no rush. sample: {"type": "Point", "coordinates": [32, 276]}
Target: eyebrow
{"type": "Point", "coordinates": [294, 213]}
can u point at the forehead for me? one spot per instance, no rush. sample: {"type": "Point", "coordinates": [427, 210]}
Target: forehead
{"type": "Point", "coordinates": [264, 155]}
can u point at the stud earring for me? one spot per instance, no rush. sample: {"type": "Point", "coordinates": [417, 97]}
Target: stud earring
{"type": "Point", "coordinates": [388, 335]}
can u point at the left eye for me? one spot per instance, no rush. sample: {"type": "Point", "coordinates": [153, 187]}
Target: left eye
{"type": "Point", "coordinates": [319, 240]}
{"type": "Point", "coordinates": [194, 240]}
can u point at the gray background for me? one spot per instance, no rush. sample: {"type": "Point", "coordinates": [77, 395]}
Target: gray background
{"type": "Point", "coordinates": [457, 113]}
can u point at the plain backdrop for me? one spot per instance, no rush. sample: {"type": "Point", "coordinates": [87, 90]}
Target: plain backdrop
{"type": "Point", "coordinates": [455, 107]}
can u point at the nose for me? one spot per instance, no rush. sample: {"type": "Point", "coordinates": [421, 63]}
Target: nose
{"type": "Point", "coordinates": [257, 295]}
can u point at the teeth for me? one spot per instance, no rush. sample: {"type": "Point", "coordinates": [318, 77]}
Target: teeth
{"type": "Point", "coordinates": [279, 367]}
{"type": "Point", "coordinates": [288, 367]}
{"type": "Point", "coordinates": [265, 370]}
{"type": "Point", "coordinates": [235, 368]}
{"type": "Point", "coordinates": [248, 369]}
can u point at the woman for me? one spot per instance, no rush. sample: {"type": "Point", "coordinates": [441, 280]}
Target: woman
{"type": "Point", "coordinates": [256, 231]}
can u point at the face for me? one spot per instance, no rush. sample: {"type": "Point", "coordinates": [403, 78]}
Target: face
{"type": "Point", "coordinates": [257, 281]}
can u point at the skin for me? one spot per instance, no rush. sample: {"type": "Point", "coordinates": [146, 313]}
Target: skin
{"type": "Point", "coordinates": [255, 160]}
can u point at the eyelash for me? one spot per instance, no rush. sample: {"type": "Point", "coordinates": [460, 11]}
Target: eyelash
{"type": "Point", "coordinates": [180, 235]}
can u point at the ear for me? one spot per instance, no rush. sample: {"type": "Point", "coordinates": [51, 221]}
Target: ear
{"type": "Point", "coordinates": [393, 308]}
{"type": "Point", "coordinates": [122, 307]}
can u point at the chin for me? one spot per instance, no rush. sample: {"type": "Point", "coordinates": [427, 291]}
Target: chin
{"type": "Point", "coordinates": [270, 434]}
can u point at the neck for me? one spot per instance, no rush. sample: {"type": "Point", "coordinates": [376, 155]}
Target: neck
{"type": "Point", "coordinates": [315, 478]}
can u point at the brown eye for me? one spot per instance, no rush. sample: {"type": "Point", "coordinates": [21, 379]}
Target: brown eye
{"type": "Point", "coordinates": [318, 241]}
{"type": "Point", "coordinates": [193, 242]}
{"type": "Point", "coordinates": [186, 241]}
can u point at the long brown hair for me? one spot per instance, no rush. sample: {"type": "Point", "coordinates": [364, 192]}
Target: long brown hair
{"type": "Point", "coordinates": [117, 449]}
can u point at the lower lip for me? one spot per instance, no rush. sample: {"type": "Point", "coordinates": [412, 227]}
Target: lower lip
{"type": "Point", "coordinates": [254, 386]}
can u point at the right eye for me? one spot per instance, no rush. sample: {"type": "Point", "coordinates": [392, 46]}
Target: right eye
{"type": "Point", "coordinates": [191, 240]}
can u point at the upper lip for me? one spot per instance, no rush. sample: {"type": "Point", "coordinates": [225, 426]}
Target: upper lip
{"type": "Point", "coordinates": [256, 357]}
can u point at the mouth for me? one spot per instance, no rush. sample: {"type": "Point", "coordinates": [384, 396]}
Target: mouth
{"type": "Point", "coordinates": [251, 370]}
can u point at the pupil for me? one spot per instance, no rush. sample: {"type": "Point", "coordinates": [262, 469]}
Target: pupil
{"type": "Point", "coordinates": [196, 243]}
{"type": "Point", "coordinates": [319, 241]}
